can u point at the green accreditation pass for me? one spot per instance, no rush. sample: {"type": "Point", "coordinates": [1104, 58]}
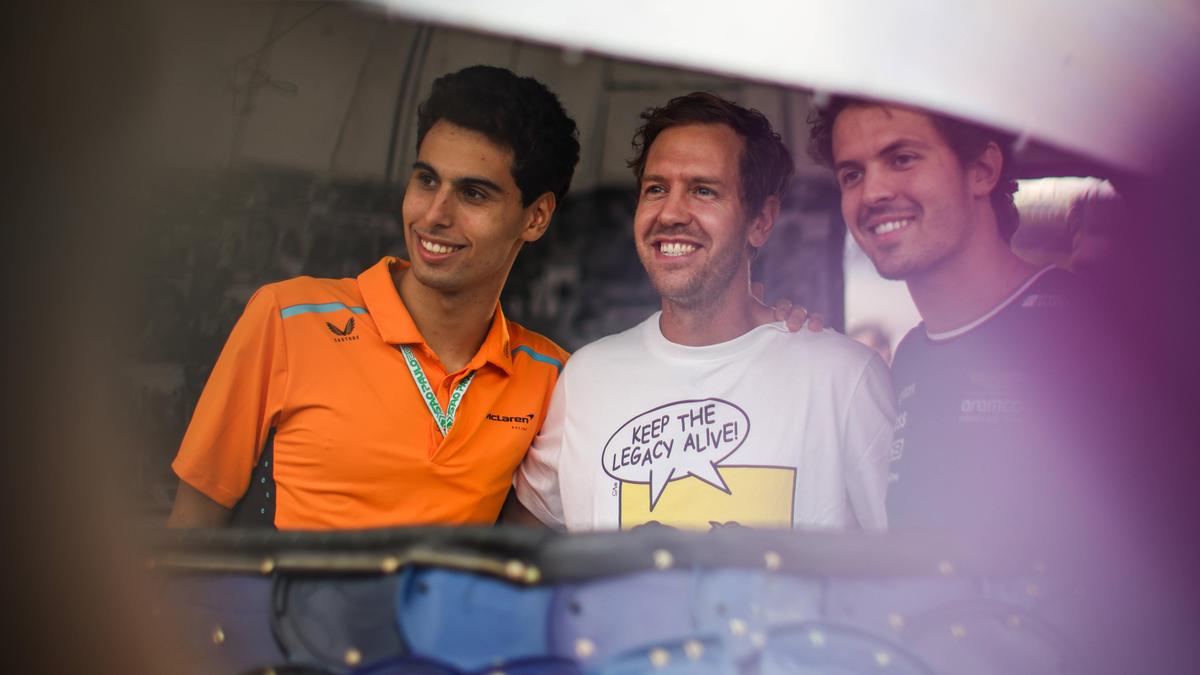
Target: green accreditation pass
{"type": "Point", "coordinates": [444, 420]}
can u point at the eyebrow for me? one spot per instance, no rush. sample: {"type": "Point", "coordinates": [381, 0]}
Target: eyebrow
{"type": "Point", "coordinates": [847, 164]}
{"type": "Point", "coordinates": [465, 181]}
{"type": "Point", "coordinates": [901, 143]}
{"type": "Point", "coordinates": [894, 146]}
{"type": "Point", "coordinates": [706, 180]}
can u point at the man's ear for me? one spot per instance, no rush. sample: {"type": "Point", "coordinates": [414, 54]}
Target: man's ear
{"type": "Point", "coordinates": [538, 216]}
{"type": "Point", "coordinates": [763, 223]}
{"type": "Point", "coordinates": [984, 171]}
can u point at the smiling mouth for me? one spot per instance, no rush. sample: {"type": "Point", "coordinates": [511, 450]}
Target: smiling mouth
{"type": "Point", "coordinates": [674, 249]}
{"type": "Point", "coordinates": [890, 226]}
{"type": "Point", "coordinates": [436, 248]}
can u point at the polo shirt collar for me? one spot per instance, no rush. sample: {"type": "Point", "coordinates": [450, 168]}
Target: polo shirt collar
{"type": "Point", "coordinates": [396, 325]}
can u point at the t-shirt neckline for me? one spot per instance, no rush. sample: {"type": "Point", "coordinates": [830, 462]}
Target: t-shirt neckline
{"type": "Point", "coordinates": [968, 327]}
{"type": "Point", "coordinates": [656, 341]}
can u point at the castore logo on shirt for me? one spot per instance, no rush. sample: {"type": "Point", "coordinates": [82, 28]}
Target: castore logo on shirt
{"type": "Point", "coordinates": [343, 334]}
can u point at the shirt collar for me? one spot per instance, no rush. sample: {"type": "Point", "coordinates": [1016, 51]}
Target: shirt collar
{"type": "Point", "coordinates": [396, 325]}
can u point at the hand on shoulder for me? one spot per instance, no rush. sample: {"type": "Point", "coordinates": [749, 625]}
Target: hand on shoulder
{"type": "Point", "coordinates": [795, 316]}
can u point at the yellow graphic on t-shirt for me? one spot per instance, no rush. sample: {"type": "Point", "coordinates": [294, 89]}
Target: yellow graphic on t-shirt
{"type": "Point", "coordinates": [668, 466]}
{"type": "Point", "coordinates": [759, 496]}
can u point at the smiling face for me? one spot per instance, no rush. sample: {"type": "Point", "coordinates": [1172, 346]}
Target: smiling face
{"type": "Point", "coordinates": [906, 198]}
{"type": "Point", "coordinates": [691, 229]}
{"type": "Point", "coordinates": [463, 218]}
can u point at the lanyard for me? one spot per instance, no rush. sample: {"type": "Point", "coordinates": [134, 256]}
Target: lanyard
{"type": "Point", "coordinates": [444, 420]}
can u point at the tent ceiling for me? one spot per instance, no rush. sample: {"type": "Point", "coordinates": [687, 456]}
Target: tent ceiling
{"type": "Point", "coordinates": [1112, 80]}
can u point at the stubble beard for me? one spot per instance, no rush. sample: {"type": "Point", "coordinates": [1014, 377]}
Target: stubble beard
{"type": "Point", "coordinates": [442, 283]}
{"type": "Point", "coordinates": [897, 271]}
{"type": "Point", "coordinates": [460, 278]}
{"type": "Point", "coordinates": [700, 288]}
{"type": "Point", "coordinates": [928, 249]}
{"type": "Point", "coordinates": [913, 265]}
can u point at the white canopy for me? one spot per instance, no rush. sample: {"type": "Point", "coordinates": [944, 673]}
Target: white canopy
{"type": "Point", "coordinates": [1112, 80]}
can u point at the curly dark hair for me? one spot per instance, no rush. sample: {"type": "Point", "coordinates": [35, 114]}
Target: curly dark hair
{"type": "Point", "coordinates": [519, 113]}
{"type": "Point", "coordinates": [966, 140]}
{"type": "Point", "coordinates": [766, 163]}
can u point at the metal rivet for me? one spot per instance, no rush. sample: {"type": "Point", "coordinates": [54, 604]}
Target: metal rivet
{"type": "Point", "coordinates": [758, 640]}
{"type": "Point", "coordinates": [659, 658]}
{"type": "Point", "coordinates": [353, 657]}
{"type": "Point", "coordinates": [693, 649]}
{"type": "Point", "coordinates": [1031, 590]}
{"type": "Point", "coordinates": [663, 559]}
{"type": "Point", "coordinates": [737, 626]}
{"type": "Point", "coordinates": [895, 621]}
{"type": "Point", "coordinates": [958, 631]}
{"type": "Point", "coordinates": [389, 564]}
{"type": "Point", "coordinates": [262, 512]}
{"type": "Point", "coordinates": [268, 495]}
{"type": "Point", "coordinates": [266, 566]}
{"type": "Point", "coordinates": [816, 637]}
{"type": "Point", "coordinates": [883, 659]}
{"type": "Point", "coordinates": [533, 575]}
{"type": "Point", "coordinates": [584, 648]}
{"type": "Point", "coordinates": [1013, 621]}
{"type": "Point", "coordinates": [945, 568]}
{"type": "Point", "coordinates": [218, 636]}
{"type": "Point", "coordinates": [515, 569]}
{"type": "Point", "coordinates": [262, 480]}
{"type": "Point", "coordinates": [772, 560]}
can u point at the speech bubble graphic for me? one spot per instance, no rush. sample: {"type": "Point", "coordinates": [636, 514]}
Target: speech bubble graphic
{"type": "Point", "coordinates": [674, 441]}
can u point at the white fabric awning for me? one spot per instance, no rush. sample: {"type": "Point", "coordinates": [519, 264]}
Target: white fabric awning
{"type": "Point", "coordinates": [1111, 80]}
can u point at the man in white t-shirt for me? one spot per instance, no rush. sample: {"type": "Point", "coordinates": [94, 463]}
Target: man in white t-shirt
{"type": "Point", "coordinates": [696, 418]}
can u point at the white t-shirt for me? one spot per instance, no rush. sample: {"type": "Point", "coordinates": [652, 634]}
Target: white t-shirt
{"type": "Point", "coordinates": [770, 429]}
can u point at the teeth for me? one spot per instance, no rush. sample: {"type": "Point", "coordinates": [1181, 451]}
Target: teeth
{"type": "Point", "coordinates": [890, 226]}
{"type": "Point", "coordinates": [676, 248]}
{"type": "Point", "coordinates": [437, 248]}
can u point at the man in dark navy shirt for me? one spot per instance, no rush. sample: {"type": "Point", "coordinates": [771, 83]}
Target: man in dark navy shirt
{"type": "Point", "coordinates": [999, 385]}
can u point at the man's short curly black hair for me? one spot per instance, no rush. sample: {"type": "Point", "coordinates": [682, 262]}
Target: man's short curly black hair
{"type": "Point", "coordinates": [519, 113]}
{"type": "Point", "coordinates": [766, 163]}
{"type": "Point", "coordinates": [966, 140]}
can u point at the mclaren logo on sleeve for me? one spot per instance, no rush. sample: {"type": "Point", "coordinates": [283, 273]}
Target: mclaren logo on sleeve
{"type": "Point", "coordinates": [344, 334]}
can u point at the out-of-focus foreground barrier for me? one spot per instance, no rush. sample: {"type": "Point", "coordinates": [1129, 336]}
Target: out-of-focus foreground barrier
{"type": "Point", "coordinates": [431, 600]}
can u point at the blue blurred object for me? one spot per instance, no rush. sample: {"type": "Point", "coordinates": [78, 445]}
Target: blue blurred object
{"type": "Point", "coordinates": [471, 621]}
{"type": "Point", "coordinates": [416, 665]}
{"type": "Point", "coordinates": [225, 619]}
{"type": "Point", "coordinates": [825, 649]}
{"type": "Point", "coordinates": [693, 657]}
{"type": "Point", "coordinates": [461, 602]}
{"type": "Point", "coordinates": [599, 619]}
{"type": "Point", "coordinates": [318, 619]}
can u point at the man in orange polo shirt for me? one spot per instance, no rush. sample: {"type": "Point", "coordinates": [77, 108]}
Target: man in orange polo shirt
{"type": "Point", "coordinates": [403, 396]}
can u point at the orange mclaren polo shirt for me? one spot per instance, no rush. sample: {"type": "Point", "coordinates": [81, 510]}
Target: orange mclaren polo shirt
{"type": "Point", "coordinates": [313, 368]}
